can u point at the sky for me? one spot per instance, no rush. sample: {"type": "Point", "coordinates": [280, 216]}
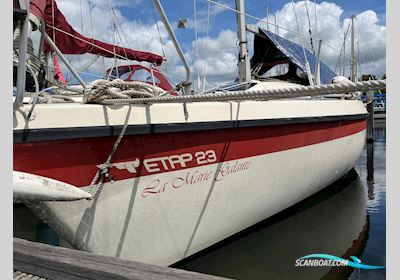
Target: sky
{"type": "Point", "coordinates": [215, 56]}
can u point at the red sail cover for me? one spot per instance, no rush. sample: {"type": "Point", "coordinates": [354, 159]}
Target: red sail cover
{"type": "Point", "coordinates": [71, 42]}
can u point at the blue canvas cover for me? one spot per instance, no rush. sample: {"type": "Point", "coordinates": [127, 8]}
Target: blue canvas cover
{"type": "Point", "coordinates": [276, 47]}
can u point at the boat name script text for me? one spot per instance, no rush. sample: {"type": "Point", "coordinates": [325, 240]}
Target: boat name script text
{"type": "Point", "coordinates": [196, 176]}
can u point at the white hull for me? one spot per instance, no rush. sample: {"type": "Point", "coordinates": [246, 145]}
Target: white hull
{"type": "Point", "coordinates": [166, 227]}
{"type": "Point", "coordinates": [323, 140]}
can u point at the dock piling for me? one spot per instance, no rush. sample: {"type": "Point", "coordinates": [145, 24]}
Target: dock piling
{"type": "Point", "coordinates": [370, 118]}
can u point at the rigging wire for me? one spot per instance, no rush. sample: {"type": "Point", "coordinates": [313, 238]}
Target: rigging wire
{"type": "Point", "coordinates": [196, 43]}
{"type": "Point", "coordinates": [81, 17]}
{"type": "Point", "coordinates": [134, 29]}
{"type": "Point", "coordinates": [266, 14]}
{"type": "Point", "coordinates": [52, 21]}
{"type": "Point", "coordinates": [159, 36]}
{"type": "Point", "coordinates": [180, 16]}
{"type": "Point", "coordinates": [366, 52]}
{"type": "Point", "coordinates": [117, 25]}
{"type": "Point", "coordinates": [315, 18]}
{"type": "Point", "coordinates": [358, 62]}
{"type": "Point", "coordinates": [309, 75]}
{"type": "Point", "coordinates": [158, 30]}
{"type": "Point", "coordinates": [117, 33]}
{"type": "Point", "coordinates": [91, 19]}
{"type": "Point", "coordinates": [113, 52]}
{"type": "Point", "coordinates": [92, 35]}
{"type": "Point", "coordinates": [184, 30]}
{"type": "Point", "coordinates": [206, 51]}
{"type": "Point", "coordinates": [103, 65]}
{"type": "Point", "coordinates": [49, 56]}
{"type": "Point", "coordinates": [367, 49]}
{"type": "Point", "coordinates": [116, 29]}
{"type": "Point", "coordinates": [88, 64]}
{"type": "Point", "coordinates": [115, 65]}
{"type": "Point", "coordinates": [342, 49]}
{"type": "Point", "coordinates": [89, 42]}
{"type": "Point", "coordinates": [80, 2]}
{"type": "Point", "coordinates": [309, 27]}
{"type": "Point", "coordinates": [344, 56]}
{"type": "Point", "coordinates": [326, 42]}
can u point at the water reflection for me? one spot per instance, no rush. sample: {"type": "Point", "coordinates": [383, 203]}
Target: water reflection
{"type": "Point", "coordinates": [375, 251]}
{"type": "Point", "coordinates": [370, 170]}
{"type": "Point", "coordinates": [334, 221]}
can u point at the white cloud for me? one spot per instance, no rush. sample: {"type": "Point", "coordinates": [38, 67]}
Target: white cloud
{"type": "Point", "coordinates": [220, 51]}
{"type": "Point", "coordinates": [331, 29]}
{"type": "Point", "coordinates": [202, 15]}
{"type": "Point", "coordinates": [221, 56]}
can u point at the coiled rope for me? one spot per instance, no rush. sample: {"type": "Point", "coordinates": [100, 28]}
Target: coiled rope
{"type": "Point", "coordinates": [100, 90]}
{"type": "Point", "coordinates": [270, 94]}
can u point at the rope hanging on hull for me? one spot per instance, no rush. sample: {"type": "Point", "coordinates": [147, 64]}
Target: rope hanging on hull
{"type": "Point", "coordinates": [102, 174]}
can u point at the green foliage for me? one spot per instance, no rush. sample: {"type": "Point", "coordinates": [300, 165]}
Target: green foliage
{"type": "Point", "coordinates": [367, 77]}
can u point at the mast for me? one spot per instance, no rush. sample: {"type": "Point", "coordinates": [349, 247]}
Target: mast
{"type": "Point", "coordinates": [21, 70]}
{"type": "Point", "coordinates": [244, 62]}
{"type": "Point", "coordinates": [353, 57]}
{"type": "Point", "coordinates": [26, 28]}
{"type": "Point", "coordinates": [187, 84]}
{"type": "Point", "coordinates": [317, 70]}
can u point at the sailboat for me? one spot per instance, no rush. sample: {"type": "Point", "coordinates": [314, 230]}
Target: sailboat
{"type": "Point", "coordinates": [157, 179]}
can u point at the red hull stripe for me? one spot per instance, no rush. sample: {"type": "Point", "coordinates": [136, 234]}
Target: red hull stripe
{"type": "Point", "coordinates": [74, 161]}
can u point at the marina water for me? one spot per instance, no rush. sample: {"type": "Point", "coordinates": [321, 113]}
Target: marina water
{"type": "Point", "coordinates": [345, 219]}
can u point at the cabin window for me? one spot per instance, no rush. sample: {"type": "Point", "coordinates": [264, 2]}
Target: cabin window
{"type": "Point", "coordinates": [301, 74]}
{"type": "Point", "coordinates": [125, 75]}
{"type": "Point", "coordinates": [277, 70]}
{"type": "Point", "coordinates": [143, 75]}
{"type": "Point", "coordinates": [119, 72]}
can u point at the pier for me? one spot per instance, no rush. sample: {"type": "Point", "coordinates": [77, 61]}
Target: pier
{"type": "Point", "coordinates": [37, 261]}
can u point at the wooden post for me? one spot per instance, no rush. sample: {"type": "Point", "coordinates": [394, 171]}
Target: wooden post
{"type": "Point", "coordinates": [370, 119]}
{"type": "Point", "coordinates": [370, 170]}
